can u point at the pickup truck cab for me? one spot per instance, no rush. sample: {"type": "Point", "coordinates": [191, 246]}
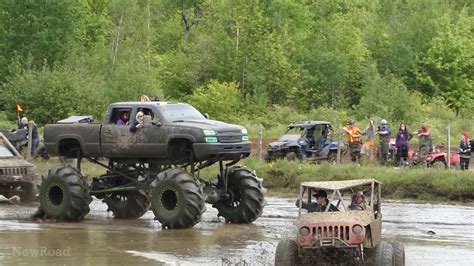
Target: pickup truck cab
{"type": "Point", "coordinates": [170, 131]}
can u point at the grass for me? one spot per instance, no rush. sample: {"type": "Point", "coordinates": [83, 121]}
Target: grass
{"type": "Point", "coordinates": [414, 183]}
{"type": "Point", "coordinates": [283, 177]}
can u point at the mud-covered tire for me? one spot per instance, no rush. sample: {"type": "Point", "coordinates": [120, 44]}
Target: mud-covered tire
{"type": "Point", "coordinates": [246, 200]}
{"type": "Point", "coordinates": [383, 254]}
{"type": "Point", "coordinates": [332, 157]}
{"type": "Point", "coordinates": [177, 199]}
{"type": "Point", "coordinates": [29, 191]}
{"type": "Point", "coordinates": [127, 205]}
{"type": "Point", "coordinates": [64, 195]}
{"type": "Point", "coordinates": [439, 164]}
{"type": "Point", "coordinates": [398, 258]}
{"type": "Point", "coordinates": [286, 253]}
{"type": "Point", "coordinates": [291, 156]}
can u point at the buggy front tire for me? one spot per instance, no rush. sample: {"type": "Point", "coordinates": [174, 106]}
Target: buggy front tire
{"type": "Point", "coordinates": [286, 253]}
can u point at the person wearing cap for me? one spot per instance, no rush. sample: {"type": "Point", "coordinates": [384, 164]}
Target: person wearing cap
{"type": "Point", "coordinates": [358, 201]}
{"type": "Point", "coordinates": [384, 141]}
{"type": "Point", "coordinates": [320, 205]}
{"type": "Point", "coordinates": [353, 136]}
{"type": "Point", "coordinates": [465, 151]}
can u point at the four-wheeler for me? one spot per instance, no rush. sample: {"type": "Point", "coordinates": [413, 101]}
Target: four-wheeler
{"type": "Point", "coordinates": [17, 176]}
{"type": "Point", "coordinates": [436, 158]}
{"type": "Point", "coordinates": [157, 166]}
{"type": "Point", "coordinates": [351, 234]}
{"type": "Point", "coordinates": [305, 140]}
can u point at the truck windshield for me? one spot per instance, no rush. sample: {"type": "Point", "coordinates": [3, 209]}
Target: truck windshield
{"type": "Point", "coordinates": [180, 112]}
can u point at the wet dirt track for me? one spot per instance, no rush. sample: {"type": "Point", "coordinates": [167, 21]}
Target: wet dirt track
{"type": "Point", "coordinates": [101, 240]}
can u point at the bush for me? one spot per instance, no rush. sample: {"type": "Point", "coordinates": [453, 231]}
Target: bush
{"type": "Point", "coordinates": [220, 100]}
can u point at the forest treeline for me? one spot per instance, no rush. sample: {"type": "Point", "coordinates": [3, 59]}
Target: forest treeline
{"type": "Point", "coordinates": [241, 60]}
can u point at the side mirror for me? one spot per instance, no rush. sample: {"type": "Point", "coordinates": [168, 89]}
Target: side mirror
{"type": "Point", "coordinates": [206, 115]}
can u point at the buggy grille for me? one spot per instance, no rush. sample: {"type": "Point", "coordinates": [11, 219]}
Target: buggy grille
{"type": "Point", "coordinates": [13, 171]}
{"type": "Point", "coordinates": [338, 231]}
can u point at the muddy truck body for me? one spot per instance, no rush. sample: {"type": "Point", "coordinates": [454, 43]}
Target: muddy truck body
{"type": "Point", "coordinates": [157, 166]}
{"type": "Point", "coordinates": [166, 137]}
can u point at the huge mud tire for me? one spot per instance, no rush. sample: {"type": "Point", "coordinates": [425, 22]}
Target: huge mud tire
{"type": "Point", "coordinates": [383, 254]}
{"type": "Point", "coordinates": [64, 195]}
{"type": "Point", "coordinates": [128, 205]}
{"type": "Point", "coordinates": [177, 199]}
{"type": "Point", "coordinates": [398, 253]}
{"type": "Point", "coordinates": [246, 200]}
{"type": "Point", "coordinates": [439, 164]}
{"type": "Point", "coordinates": [286, 253]}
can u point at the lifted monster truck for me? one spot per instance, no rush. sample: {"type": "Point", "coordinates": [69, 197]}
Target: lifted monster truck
{"type": "Point", "coordinates": [352, 233]}
{"type": "Point", "coordinates": [17, 176]}
{"type": "Point", "coordinates": [157, 165]}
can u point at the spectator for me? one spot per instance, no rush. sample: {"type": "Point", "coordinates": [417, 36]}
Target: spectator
{"type": "Point", "coordinates": [24, 124]}
{"type": "Point", "coordinates": [368, 146]}
{"type": "Point", "coordinates": [465, 151]}
{"type": "Point", "coordinates": [138, 122]}
{"type": "Point", "coordinates": [123, 119]}
{"type": "Point", "coordinates": [384, 141]}
{"type": "Point", "coordinates": [424, 134]}
{"type": "Point", "coordinates": [401, 142]}
{"type": "Point", "coordinates": [353, 135]}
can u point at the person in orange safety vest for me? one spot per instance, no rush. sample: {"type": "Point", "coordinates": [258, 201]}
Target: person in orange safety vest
{"type": "Point", "coordinates": [353, 136]}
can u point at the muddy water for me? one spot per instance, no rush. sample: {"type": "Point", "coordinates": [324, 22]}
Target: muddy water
{"type": "Point", "coordinates": [432, 234]}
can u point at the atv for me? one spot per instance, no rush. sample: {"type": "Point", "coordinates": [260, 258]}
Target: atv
{"type": "Point", "coordinates": [352, 235]}
{"type": "Point", "coordinates": [436, 158]}
{"type": "Point", "coordinates": [306, 140]}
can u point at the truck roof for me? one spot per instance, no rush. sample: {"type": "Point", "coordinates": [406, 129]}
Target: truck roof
{"type": "Point", "coordinates": [333, 185]}
{"type": "Point", "coordinates": [308, 124]}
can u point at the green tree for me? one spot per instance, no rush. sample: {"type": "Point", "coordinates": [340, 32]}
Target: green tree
{"type": "Point", "coordinates": [447, 68]}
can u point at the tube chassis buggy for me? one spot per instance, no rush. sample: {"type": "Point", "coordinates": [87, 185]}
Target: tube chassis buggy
{"type": "Point", "coordinates": [353, 233]}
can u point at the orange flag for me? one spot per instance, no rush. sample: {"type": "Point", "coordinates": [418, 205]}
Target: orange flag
{"type": "Point", "coordinates": [18, 108]}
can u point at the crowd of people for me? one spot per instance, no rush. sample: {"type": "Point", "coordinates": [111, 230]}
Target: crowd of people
{"type": "Point", "coordinates": [359, 148]}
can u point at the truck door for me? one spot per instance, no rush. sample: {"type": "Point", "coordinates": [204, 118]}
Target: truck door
{"type": "Point", "coordinates": [149, 139]}
{"type": "Point", "coordinates": [115, 132]}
